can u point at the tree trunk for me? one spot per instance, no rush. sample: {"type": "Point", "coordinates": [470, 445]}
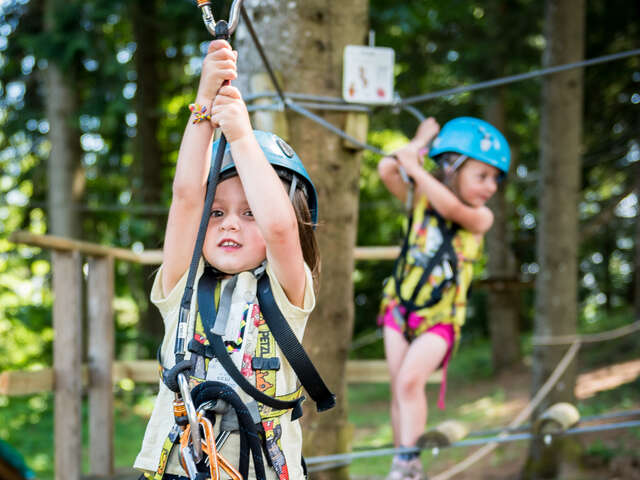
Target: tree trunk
{"type": "Point", "coordinates": [504, 303]}
{"type": "Point", "coordinates": [636, 296]}
{"type": "Point", "coordinates": [306, 47]}
{"type": "Point", "coordinates": [557, 241]}
{"type": "Point", "coordinates": [148, 153]}
{"type": "Point", "coordinates": [66, 180]}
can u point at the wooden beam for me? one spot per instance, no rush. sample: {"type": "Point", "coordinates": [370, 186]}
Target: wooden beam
{"type": "Point", "coordinates": [67, 244]}
{"type": "Point", "coordinates": [67, 360]}
{"type": "Point", "coordinates": [146, 371]}
{"type": "Point", "coordinates": [101, 353]}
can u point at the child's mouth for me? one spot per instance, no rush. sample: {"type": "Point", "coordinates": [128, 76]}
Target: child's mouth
{"type": "Point", "coordinates": [227, 243]}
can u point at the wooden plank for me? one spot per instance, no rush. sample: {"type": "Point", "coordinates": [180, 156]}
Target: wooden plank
{"type": "Point", "coordinates": [356, 126]}
{"type": "Point", "coordinates": [375, 371]}
{"type": "Point", "coordinates": [140, 371]}
{"type": "Point", "coordinates": [146, 371]}
{"type": "Point", "coordinates": [100, 284]}
{"type": "Point", "coordinates": [26, 382]}
{"type": "Point", "coordinates": [376, 253]}
{"type": "Point", "coordinates": [67, 244]}
{"type": "Point", "coordinates": [67, 359]}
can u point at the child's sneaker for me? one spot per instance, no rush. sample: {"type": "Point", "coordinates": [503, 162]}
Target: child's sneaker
{"type": "Point", "coordinates": [405, 469]}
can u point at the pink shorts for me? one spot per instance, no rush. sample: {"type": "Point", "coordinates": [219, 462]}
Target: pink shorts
{"type": "Point", "coordinates": [408, 329]}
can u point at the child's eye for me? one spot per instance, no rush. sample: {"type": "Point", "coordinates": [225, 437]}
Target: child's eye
{"type": "Point", "coordinates": [216, 213]}
{"type": "Point", "coordinates": [248, 213]}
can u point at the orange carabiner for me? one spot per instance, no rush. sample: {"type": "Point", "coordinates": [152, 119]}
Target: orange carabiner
{"type": "Point", "coordinates": [216, 460]}
{"type": "Point", "coordinates": [210, 448]}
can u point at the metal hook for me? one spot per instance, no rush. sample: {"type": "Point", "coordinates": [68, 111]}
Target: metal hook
{"type": "Point", "coordinates": [192, 416]}
{"type": "Point", "coordinates": [210, 22]}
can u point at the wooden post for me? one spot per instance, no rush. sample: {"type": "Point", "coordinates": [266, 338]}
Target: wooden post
{"type": "Point", "coordinates": [101, 356]}
{"type": "Point", "coordinates": [67, 363]}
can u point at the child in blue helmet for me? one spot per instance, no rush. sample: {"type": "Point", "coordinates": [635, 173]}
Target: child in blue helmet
{"type": "Point", "coordinates": [424, 301]}
{"type": "Point", "coordinates": [261, 220]}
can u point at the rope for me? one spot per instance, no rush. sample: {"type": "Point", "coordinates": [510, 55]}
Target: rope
{"type": "Point", "coordinates": [588, 418]}
{"type": "Point", "coordinates": [291, 104]}
{"type": "Point", "coordinates": [520, 77]}
{"type": "Point", "coordinates": [366, 339]}
{"type": "Point", "coordinates": [524, 414]}
{"type": "Point", "coordinates": [329, 462]}
{"type": "Point", "coordinates": [591, 338]}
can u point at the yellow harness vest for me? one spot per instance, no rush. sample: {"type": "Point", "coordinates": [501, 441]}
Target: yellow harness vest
{"type": "Point", "coordinates": [449, 278]}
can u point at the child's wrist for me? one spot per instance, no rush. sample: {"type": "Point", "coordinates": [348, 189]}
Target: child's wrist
{"type": "Point", "coordinates": [243, 139]}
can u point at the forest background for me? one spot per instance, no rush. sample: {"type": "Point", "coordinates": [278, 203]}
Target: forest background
{"type": "Point", "coordinates": [118, 76]}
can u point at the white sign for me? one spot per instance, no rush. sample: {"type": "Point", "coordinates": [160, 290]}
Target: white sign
{"type": "Point", "coordinates": [368, 74]}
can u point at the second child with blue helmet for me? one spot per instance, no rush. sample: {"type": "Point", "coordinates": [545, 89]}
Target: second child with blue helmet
{"type": "Point", "coordinates": [424, 301]}
{"type": "Point", "coordinates": [261, 223]}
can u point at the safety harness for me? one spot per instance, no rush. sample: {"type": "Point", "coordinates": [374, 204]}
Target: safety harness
{"type": "Point", "coordinates": [412, 257]}
{"type": "Point", "coordinates": [197, 401]}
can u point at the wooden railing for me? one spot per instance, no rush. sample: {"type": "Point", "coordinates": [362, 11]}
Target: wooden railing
{"type": "Point", "coordinates": [69, 378]}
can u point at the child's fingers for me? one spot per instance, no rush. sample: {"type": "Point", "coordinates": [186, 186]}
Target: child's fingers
{"type": "Point", "coordinates": [217, 45]}
{"type": "Point", "coordinates": [223, 54]}
{"type": "Point", "coordinates": [230, 91]}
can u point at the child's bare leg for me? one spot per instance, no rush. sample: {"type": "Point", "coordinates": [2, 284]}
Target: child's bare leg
{"type": "Point", "coordinates": [395, 348]}
{"type": "Point", "coordinates": [423, 357]}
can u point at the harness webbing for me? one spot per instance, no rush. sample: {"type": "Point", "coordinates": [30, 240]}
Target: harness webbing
{"type": "Point", "coordinates": [292, 349]}
{"type": "Point", "coordinates": [249, 438]}
{"type": "Point", "coordinates": [444, 250]}
{"type": "Point", "coordinates": [206, 304]}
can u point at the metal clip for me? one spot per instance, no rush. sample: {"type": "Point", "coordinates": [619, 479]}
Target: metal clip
{"type": "Point", "coordinates": [210, 22]}
{"type": "Point", "coordinates": [209, 445]}
{"type": "Point", "coordinates": [192, 416]}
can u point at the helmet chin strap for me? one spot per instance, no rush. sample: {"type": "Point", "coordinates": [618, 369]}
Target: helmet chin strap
{"type": "Point", "coordinates": [292, 188]}
{"type": "Point", "coordinates": [451, 168]}
{"type": "Point", "coordinates": [456, 165]}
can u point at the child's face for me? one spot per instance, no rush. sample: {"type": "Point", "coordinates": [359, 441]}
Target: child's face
{"type": "Point", "coordinates": [233, 242]}
{"type": "Point", "coordinates": [476, 182]}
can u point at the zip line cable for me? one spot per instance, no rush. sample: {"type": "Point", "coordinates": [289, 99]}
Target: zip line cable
{"type": "Point", "coordinates": [288, 102]}
{"type": "Point", "coordinates": [291, 104]}
{"type": "Point", "coordinates": [522, 76]}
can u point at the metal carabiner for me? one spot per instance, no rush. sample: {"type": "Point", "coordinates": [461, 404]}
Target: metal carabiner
{"type": "Point", "coordinates": [209, 446]}
{"type": "Point", "coordinates": [210, 22]}
{"type": "Point", "coordinates": [192, 416]}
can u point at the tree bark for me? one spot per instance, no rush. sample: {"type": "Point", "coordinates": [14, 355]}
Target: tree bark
{"type": "Point", "coordinates": [148, 153]}
{"type": "Point", "coordinates": [305, 42]}
{"type": "Point", "coordinates": [66, 180]}
{"type": "Point", "coordinates": [636, 296]}
{"type": "Point", "coordinates": [504, 304]}
{"type": "Point", "coordinates": [557, 240]}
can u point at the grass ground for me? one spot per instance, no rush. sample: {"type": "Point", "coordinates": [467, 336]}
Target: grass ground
{"type": "Point", "coordinates": [473, 396]}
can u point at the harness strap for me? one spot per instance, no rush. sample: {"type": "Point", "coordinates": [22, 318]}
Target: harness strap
{"type": "Point", "coordinates": [206, 304]}
{"type": "Point", "coordinates": [249, 438]}
{"type": "Point", "coordinates": [292, 349]}
{"type": "Point", "coordinates": [445, 249]}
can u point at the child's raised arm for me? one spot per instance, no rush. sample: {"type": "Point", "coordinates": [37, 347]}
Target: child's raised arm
{"type": "Point", "coordinates": [265, 193]}
{"type": "Point", "coordinates": [388, 168]}
{"type": "Point", "coordinates": [477, 220]}
{"type": "Point", "coordinates": [192, 168]}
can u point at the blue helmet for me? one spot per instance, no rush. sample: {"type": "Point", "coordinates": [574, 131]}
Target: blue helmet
{"type": "Point", "coordinates": [474, 138]}
{"type": "Point", "coordinates": [285, 162]}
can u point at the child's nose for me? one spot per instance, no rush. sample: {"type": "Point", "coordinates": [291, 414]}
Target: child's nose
{"type": "Point", "coordinates": [230, 222]}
